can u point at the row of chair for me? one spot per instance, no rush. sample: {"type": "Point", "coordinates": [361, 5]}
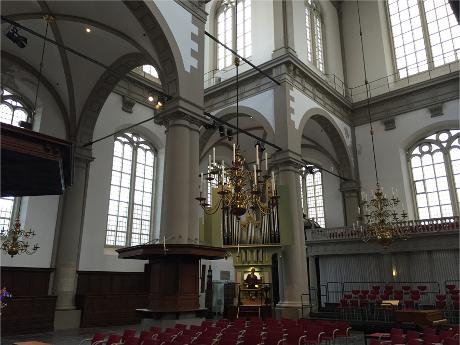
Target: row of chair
{"type": "Point", "coordinates": [239, 332]}
{"type": "Point", "coordinates": [427, 337]}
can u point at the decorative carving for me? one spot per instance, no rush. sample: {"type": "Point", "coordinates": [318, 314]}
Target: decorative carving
{"type": "Point", "coordinates": [436, 110]}
{"type": "Point", "coordinates": [389, 123]}
{"type": "Point", "coordinates": [127, 104]}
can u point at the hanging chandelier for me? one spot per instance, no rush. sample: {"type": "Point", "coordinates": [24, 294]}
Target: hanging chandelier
{"type": "Point", "coordinates": [15, 240]}
{"type": "Point", "coordinates": [240, 189]}
{"type": "Point", "coordinates": [378, 218]}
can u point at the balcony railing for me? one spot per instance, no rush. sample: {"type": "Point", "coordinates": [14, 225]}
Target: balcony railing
{"type": "Point", "coordinates": [411, 227]}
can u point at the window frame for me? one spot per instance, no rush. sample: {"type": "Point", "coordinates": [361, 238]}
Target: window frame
{"type": "Point", "coordinates": [454, 198]}
{"type": "Point", "coordinates": [234, 46]}
{"type": "Point", "coordinates": [26, 107]}
{"type": "Point", "coordinates": [426, 39]}
{"type": "Point", "coordinates": [132, 189]}
{"type": "Point", "coordinates": [315, 13]}
{"type": "Point", "coordinates": [304, 200]}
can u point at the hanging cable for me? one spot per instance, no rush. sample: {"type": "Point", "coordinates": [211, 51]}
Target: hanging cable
{"type": "Point", "coordinates": [367, 95]}
{"type": "Point", "coordinates": [48, 20]}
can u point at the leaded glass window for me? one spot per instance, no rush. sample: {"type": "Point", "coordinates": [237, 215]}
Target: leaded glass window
{"type": "Point", "coordinates": [435, 167]}
{"type": "Point", "coordinates": [314, 34]}
{"type": "Point", "coordinates": [129, 220]}
{"type": "Point", "coordinates": [311, 183]}
{"type": "Point", "coordinates": [240, 41]}
{"type": "Point", "coordinates": [425, 34]}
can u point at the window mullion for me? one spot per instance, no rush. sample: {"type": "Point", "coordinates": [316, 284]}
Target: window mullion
{"type": "Point", "coordinates": [304, 196]}
{"type": "Point", "coordinates": [132, 186]}
{"type": "Point", "coordinates": [426, 35]}
{"type": "Point", "coordinates": [313, 36]}
{"type": "Point", "coordinates": [451, 183]}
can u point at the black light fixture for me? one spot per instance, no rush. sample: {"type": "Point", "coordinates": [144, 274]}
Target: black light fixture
{"type": "Point", "coordinates": [221, 131]}
{"type": "Point", "coordinates": [229, 134]}
{"type": "Point", "coordinates": [16, 38]}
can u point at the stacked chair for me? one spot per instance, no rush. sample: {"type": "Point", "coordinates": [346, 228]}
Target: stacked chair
{"type": "Point", "coordinates": [427, 337]}
{"type": "Point", "coordinates": [240, 332]}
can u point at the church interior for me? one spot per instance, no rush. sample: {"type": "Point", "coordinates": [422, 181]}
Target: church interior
{"type": "Point", "coordinates": [230, 172]}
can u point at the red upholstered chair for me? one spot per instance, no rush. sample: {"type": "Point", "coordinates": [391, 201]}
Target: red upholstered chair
{"type": "Point", "coordinates": [132, 341]}
{"type": "Point", "coordinates": [415, 341]}
{"type": "Point", "coordinates": [150, 342]}
{"type": "Point", "coordinates": [446, 334]}
{"type": "Point", "coordinates": [396, 331]}
{"type": "Point", "coordinates": [113, 339]}
{"type": "Point", "coordinates": [412, 334]}
{"type": "Point", "coordinates": [406, 288]}
{"type": "Point", "coordinates": [97, 339]}
{"type": "Point", "coordinates": [450, 287]}
{"type": "Point", "coordinates": [156, 329]}
{"type": "Point", "coordinates": [295, 336]}
{"type": "Point", "coordinates": [429, 330]}
{"type": "Point", "coordinates": [128, 333]}
{"type": "Point", "coordinates": [450, 341]}
{"type": "Point", "coordinates": [398, 339]}
{"type": "Point", "coordinates": [429, 339]}
{"type": "Point", "coordinates": [347, 296]}
{"type": "Point", "coordinates": [314, 335]}
{"type": "Point", "coordinates": [274, 339]}
{"type": "Point", "coordinates": [147, 335]}
{"type": "Point", "coordinates": [409, 304]}
{"type": "Point", "coordinates": [355, 293]}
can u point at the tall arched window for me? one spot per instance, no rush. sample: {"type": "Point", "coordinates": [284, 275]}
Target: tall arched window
{"type": "Point", "coordinates": [129, 220]}
{"type": "Point", "coordinates": [425, 34]}
{"type": "Point", "coordinates": [240, 41]}
{"type": "Point", "coordinates": [314, 34]}
{"type": "Point", "coordinates": [311, 192]}
{"type": "Point", "coordinates": [12, 111]}
{"type": "Point", "coordinates": [435, 167]}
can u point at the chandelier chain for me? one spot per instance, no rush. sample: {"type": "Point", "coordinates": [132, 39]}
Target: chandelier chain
{"type": "Point", "coordinates": [368, 95]}
{"type": "Point", "coordinates": [41, 64]}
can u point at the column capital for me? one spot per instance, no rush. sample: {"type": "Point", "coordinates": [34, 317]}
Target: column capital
{"type": "Point", "coordinates": [349, 186]}
{"type": "Point", "coordinates": [180, 109]}
{"type": "Point", "coordinates": [287, 160]}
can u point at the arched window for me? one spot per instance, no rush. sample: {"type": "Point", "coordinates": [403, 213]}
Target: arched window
{"type": "Point", "coordinates": [314, 34]}
{"type": "Point", "coordinates": [12, 111]}
{"type": "Point", "coordinates": [311, 191]}
{"type": "Point", "coordinates": [129, 220]}
{"type": "Point", "coordinates": [435, 167]}
{"type": "Point", "coordinates": [240, 41]}
{"type": "Point", "coordinates": [425, 34]}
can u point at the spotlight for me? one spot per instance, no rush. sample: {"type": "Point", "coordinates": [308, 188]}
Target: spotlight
{"type": "Point", "coordinates": [150, 98]}
{"type": "Point", "coordinates": [88, 30]}
{"type": "Point", "coordinates": [15, 37]}
{"type": "Point", "coordinates": [229, 134]}
{"type": "Point", "coordinates": [222, 131]}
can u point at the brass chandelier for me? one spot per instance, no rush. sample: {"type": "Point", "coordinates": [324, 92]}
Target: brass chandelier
{"type": "Point", "coordinates": [15, 240]}
{"type": "Point", "coordinates": [241, 190]}
{"type": "Point", "coordinates": [378, 218]}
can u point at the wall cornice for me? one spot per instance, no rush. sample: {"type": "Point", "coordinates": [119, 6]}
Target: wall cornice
{"type": "Point", "coordinates": [418, 96]}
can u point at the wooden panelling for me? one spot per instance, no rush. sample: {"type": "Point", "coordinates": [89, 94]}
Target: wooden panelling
{"type": "Point", "coordinates": [25, 281]}
{"type": "Point", "coordinates": [107, 283]}
{"type": "Point", "coordinates": [110, 298]}
{"type": "Point", "coordinates": [107, 310]}
{"type": "Point", "coordinates": [28, 315]}
{"type": "Point", "coordinates": [30, 310]}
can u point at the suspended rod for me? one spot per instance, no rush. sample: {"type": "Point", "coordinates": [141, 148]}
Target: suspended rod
{"type": "Point", "coordinates": [73, 51]}
{"type": "Point", "coordinates": [242, 58]}
{"type": "Point", "coordinates": [228, 124]}
{"type": "Point", "coordinates": [328, 171]}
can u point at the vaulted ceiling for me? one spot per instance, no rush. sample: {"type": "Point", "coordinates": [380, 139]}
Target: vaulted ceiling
{"type": "Point", "coordinates": [117, 38]}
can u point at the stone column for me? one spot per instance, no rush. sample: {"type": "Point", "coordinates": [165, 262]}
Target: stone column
{"type": "Point", "coordinates": [179, 221]}
{"type": "Point", "coordinates": [69, 241]}
{"type": "Point", "coordinates": [350, 192]}
{"type": "Point", "coordinates": [293, 262]}
{"type": "Point", "coordinates": [284, 27]}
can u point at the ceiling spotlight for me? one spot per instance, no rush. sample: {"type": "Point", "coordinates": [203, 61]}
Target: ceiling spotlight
{"type": "Point", "coordinates": [229, 134]}
{"type": "Point", "coordinates": [16, 38]}
{"type": "Point", "coordinates": [88, 30]}
{"type": "Point", "coordinates": [150, 98]}
{"type": "Point", "coordinates": [222, 131]}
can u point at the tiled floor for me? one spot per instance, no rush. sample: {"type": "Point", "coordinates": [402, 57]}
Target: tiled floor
{"type": "Point", "coordinates": [66, 337]}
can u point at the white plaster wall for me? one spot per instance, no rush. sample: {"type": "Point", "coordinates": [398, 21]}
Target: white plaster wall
{"type": "Point", "coordinates": [262, 34]}
{"type": "Point", "coordinates": [39, 213]}
{"type": "Point", "coordinates": [332, 197]}
{"type": "Point", "coordinates": [391, 149]}
{"type": "Point", "coordinates": [375, 40]}
{"type": "Point", "coordinates": [174, 14]}
{"type": "Point", "coordinates": [93, 256]}
{"type": "Point", "coordinates": [331, 37]}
